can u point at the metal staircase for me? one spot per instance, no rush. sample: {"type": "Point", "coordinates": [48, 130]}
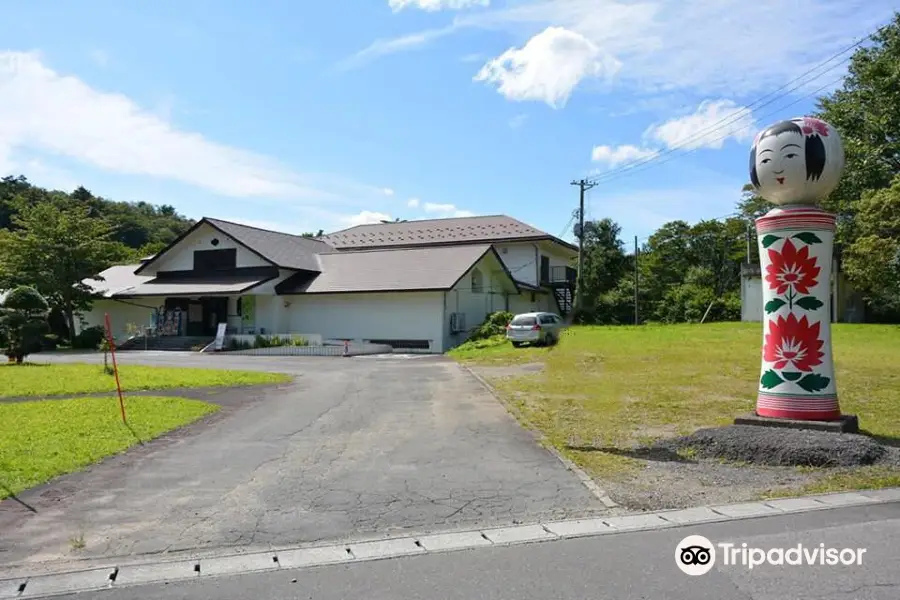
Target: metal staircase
{"type": "Point", "coordinates": [564, 299]}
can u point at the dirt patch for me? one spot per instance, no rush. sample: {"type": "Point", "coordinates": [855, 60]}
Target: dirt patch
{"type": "Point", "coordinates": [665, 485]}
{"type": "Point", "coordinates": [736, 464]}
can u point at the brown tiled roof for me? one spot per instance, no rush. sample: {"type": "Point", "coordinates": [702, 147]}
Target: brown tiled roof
{"type": "Point", "coordinates": [281, 249]}
{"type": "Point", "coordinates": [435, 232]}
{"type": "Point", "coordinates": [435, 268]}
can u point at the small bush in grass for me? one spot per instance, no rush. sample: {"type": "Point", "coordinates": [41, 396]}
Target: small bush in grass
{"type": "Point", "coordinates": [89, 338]}
{"type": "Point", "coordinates": [495, 324]}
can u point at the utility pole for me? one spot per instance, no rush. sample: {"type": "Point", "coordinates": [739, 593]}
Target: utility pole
{"type": "Point", "coordinates": [636, 280]}
{"type": "Point", "coordinates": [583, 185]}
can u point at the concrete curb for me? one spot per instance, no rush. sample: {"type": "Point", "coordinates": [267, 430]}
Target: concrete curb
{"type": "Point", "coordinates": [125, 574]}
{"type": "Point", "coordinates": [583, 477]}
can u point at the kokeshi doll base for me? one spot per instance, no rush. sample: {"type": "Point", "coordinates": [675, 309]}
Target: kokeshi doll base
{"type": "Point", "coordinates": [797, 374]}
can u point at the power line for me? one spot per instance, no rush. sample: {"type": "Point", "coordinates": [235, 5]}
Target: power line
{"type": "Point", "coordinates": [650, 164]}
{"type": "Point", "coordinates": [703, 134]}
{"type": "Point", "coordinates": [567, 226]}
{"type": "Point", "coordinates": [758, 103]}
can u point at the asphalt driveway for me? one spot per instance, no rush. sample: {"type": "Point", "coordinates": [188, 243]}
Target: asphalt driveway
{"type": "Point", "coordinates": [353, 447]}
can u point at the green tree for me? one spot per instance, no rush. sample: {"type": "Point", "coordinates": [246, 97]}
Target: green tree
{"type": "Point", "coordinates": [865, 112]}
{"type": "Point", "coordinates": [872, 260]}
{"type": "Point", "coordinates": [55, 249]}
{"type": "Point", "coordinates": [310, 234]}
{"type": "Point", "coordinates": [684, 265]}
{"type": "Point", "coordinates": [605, 263]}
{"type": "Point", "coordinates": [23, 322]}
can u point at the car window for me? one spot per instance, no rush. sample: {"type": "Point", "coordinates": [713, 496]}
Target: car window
{"type": "Point", "coordinates": [546, 319]}
{"type": "Point", "coordinates": [520, 320]}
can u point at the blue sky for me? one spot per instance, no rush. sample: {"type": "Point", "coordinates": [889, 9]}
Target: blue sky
{"type": "Point", "coordinates": [308, 115]}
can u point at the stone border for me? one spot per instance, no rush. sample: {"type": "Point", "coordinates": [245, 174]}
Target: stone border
{"type": "Point", "coordinates": [127, 574]}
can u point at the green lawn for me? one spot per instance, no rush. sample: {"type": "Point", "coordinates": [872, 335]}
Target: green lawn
{"type": "Point", "coordinates": [613, 386]}
{"type": "Point", "coordinates": [42, 439]}
{"type": "Point", "coordinates": [62, 379]}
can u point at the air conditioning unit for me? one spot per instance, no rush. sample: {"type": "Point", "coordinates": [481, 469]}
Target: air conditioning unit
{"type": "Point", "coordinates": [457, 322]}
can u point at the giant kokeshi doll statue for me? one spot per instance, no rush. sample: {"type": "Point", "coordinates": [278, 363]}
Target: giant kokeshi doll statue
{"type": "Point", "coordinates": [795, 164]}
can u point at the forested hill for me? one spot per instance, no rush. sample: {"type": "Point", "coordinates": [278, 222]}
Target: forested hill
{"type": "Point", "coordinates": [140, 228]}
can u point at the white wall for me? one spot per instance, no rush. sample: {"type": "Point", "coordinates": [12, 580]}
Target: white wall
{"type": "Point", "coordinates": [559, 256]}
{"type": "Point", "coordinates": [120, 315]}
{"type": "Point", "coordinates": [271, 313]}
{"type": "Point", "coordinates": [181, 257]}
{"type": "Point", "coordinates": [522, 303]}
{"type": "Point", "coordinates": [385, 316]}
{"type": "Point", "coordinates": [475, 305]}
{"type": "Point", "coordinates": [521, 260]}
{"type": "Point", "coordinates": [751, 299]}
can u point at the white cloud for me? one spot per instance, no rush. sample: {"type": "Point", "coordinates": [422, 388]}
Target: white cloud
{"type": "Point", "coordinates": [446, 210]}
{"type": "Point", "coordinates": [381, 47]}
{"type": "Point", "coordinates": [431, 207]}
{"type": "Point", "coordinates": [548, 68]}
{"type": "Point", "coordinates": [474, 57]}
{"type": "Point", "coordinates": [436, 5]}
{"type": "Point", "coordinates": [710, 126]}
{"type": "Point", "coordinates": [616, 155]}
{"type": "Point", "coordinates": [41, 110]}
{"type": "Point", "coordinates": [387, 192]}
{"type": "Point", "coordinates": [366, 217]}
{"type": "Point", "coordinates": [413, 202]}
{"type": "Point", "coordinates": [711, 48]}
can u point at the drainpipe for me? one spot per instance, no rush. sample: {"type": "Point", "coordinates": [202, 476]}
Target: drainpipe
{"type": "Point", "coordinates": [446, 327]}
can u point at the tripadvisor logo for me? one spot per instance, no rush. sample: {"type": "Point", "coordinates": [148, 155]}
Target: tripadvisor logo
{"type": "Point", "coordinates": [696, 555]}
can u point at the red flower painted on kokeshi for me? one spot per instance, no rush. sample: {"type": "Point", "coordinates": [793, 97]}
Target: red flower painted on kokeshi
{"type": "Point", "coordinates": [793, 342]}
{"type": "Point", "coordinates": [791, 268]}
{"type": "Point", "coordinates": [811, 126]}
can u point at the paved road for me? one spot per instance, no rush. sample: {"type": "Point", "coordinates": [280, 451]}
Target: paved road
{"type": "Point", "coordinates": [626, 566]}
{"type": "Point", "coordinates": [353, 447]}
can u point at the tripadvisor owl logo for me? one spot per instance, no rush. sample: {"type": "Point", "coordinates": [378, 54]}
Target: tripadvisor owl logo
{"type": "Point", "coordinates": [695, 555]}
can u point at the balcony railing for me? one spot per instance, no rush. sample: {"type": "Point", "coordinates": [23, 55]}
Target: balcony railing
{"type": "Point", "coordinates": [559, 275]}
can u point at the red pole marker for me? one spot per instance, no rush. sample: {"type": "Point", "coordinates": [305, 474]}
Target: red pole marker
{"type": "Point", "coordinates": [112, 351]}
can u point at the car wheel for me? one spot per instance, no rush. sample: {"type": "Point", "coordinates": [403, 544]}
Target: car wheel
{"type": "Point", "coordinates": [516, 344]}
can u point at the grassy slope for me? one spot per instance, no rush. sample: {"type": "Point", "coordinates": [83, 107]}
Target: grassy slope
{"type": "Point", "coordinates": [611, 386]}
{"type": "Point", "coordinates": [61, 379]}
{"type": "Point", "coordinates": [42, 439]}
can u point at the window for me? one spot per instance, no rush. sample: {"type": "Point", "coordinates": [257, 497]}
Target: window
{"type": "Point", "coordinates": [523, 321]}
{"type": "Point", "coordinates": [545, 269]}
{"type": "Point", "coordinates": [215, 260]}
{"type": "Point", "coordinates": [477, 282]}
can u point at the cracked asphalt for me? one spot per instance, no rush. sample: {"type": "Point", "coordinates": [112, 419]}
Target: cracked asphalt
{"type": "Point", "coordinates": [351, 448]}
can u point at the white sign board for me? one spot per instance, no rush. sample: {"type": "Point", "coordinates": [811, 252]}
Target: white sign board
{"type": "Point", "coordinates": [220, 336]}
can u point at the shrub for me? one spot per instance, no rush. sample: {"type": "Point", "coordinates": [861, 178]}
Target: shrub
{"type": "Point", "coordinates": [23, 320]}
{"type": "Point", "coordinates": [494, 324]}
{"type": "Point", "coordinates": [89, 338]}
{"type": "Point", "coordinates": [238, 344]}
